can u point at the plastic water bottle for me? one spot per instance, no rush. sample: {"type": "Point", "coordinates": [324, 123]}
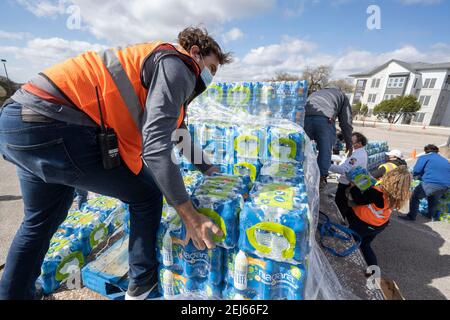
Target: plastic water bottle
{"type": "Point", "coordinates": [167, 250]}
{"type": "Point", "coordinates": [256, 98]}
{"type": "Point", "coordinates": [279, 244]}
{"type": "Point", "coordinates": [168, 285]}
{"type": "Point", "coordinates": [240, 271]}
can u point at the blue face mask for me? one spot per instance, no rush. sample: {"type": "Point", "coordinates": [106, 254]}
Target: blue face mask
{"type": "Point", "coordinates": [206, 75]}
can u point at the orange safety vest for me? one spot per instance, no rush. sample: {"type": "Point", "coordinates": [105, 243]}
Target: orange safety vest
{"type": "Point", "coordinates": [118, 75]}
{"type": "Point", "coordinates": [373, 215]}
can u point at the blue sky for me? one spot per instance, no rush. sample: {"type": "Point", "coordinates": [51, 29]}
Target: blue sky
{"type": "Point", "coordinates": [267, 36]}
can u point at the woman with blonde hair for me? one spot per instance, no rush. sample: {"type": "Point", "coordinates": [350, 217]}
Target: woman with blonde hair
{"type": "Point", "coordinates": [374, 207]}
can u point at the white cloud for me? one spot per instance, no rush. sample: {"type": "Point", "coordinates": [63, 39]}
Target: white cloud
{"type": "Point", "coordinates": [39, 54]}
{"type": "Point", "coordinates": [123, 22]}
{"type": "Point", "coordinates": [293, 55]}
{"type": "Point", "coordinates": [278, 53]}
{"type": "Point", "coordinates": [233, 35]}
{"type": "Point", "coordinates": [13, 35]}
{"type": "Point", "coordinates": [45, 8]}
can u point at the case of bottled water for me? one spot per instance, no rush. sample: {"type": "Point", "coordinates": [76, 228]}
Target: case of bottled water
{"type": "Point", "coordinates": [274, 223]}
{"type": "Point", "coordinates": [249, 277]}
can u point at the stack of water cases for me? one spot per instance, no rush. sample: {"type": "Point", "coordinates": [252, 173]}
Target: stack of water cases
{"type": "Point", "coordinates": [443, 207]}
{"type": "Point", "coordinates": [283, 100]}
{"type": "Point", "coordinates": [242, 150]}
{"type": "Point", "coordinates": [185, 270]}
{"type": "Point", "coordinates": [376, 150]}
{"type": "Point", "coordinates": [269, 263]}
{"type": "Point", "coordinates": [78, 235]}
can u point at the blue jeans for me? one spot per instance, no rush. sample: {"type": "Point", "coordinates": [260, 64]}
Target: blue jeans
{"type": "Point", "coordinates": [433, 196]}
{"type": "Point", "coordinates": [323, 131]}
{"type": "Point", "coordinates": [52, 160]}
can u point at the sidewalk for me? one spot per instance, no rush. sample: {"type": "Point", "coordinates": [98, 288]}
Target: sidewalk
{"type": "Point", "coordinates": [438, 131]}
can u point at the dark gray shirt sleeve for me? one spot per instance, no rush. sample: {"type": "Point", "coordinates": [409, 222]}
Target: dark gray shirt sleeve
{"type": "Point", "coordinates": [346, 121]}
{"type": "Point", "coordinates": [171, 85]}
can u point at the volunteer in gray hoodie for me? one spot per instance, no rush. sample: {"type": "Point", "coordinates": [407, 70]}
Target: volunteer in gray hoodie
{"type": "Point", "coordinates": [323, 108]}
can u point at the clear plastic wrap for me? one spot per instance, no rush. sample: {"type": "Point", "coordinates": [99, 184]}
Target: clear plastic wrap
{"type": "Point", "coordinates": [281, 99]}
{"type": "Point", "coordinates": [321, 280]}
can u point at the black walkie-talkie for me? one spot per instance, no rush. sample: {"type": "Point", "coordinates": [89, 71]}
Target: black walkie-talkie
{"type": "Point", "coordinates": [107, 139]}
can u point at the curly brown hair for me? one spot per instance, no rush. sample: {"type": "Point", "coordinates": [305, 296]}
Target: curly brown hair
{"type": "Point", "coordinates": [195, 36]}
{"type": "Point", "coordinates": [397, 184]}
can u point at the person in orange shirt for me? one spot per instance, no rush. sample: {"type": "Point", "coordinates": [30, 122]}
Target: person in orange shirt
{"type": "Point", "coordinates": [104, 122]}
{"type": "Point", "coordinates": [374, 207]}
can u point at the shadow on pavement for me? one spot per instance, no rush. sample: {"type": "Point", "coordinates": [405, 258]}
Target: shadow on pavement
{"type": "Point", "coordinates": [409, 253]}
{"type": "Point", "coordinates": [9, 198]}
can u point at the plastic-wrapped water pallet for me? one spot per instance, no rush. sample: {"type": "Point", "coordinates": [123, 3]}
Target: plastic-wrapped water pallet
{"type": "Point", "coordinates": [78, 235]}
{"type": "Point", "coordinates": [376, 151]}
{"type": "Point", "coordinates": [107, 274]}
{"type": "Point", "coordinates": [443, 208]}
{"type": "Point", "coordinates": [282, 100]}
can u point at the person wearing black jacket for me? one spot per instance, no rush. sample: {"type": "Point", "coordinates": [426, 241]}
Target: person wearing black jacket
{"type": "Point", "coordinates": [372, 209]}
{"type": "Point", "coordinates": [394, 159]}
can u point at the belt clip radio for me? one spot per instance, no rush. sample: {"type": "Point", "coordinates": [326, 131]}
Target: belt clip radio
{"type": "Point", "coordinates": [107, 139]}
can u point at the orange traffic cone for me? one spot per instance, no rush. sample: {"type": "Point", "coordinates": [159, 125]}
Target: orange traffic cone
{"type": "Point", "coordinates": [414, 154]}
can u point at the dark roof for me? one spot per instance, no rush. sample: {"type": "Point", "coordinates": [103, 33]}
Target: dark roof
{"type": "Point", "coordinates": [412, 67]}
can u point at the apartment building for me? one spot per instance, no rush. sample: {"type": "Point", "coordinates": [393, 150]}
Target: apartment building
{"type": "Point", "coordinates": [429, 82]}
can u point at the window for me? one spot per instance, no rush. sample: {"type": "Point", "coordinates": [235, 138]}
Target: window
{"type": "Point", "coordinates": [397, 82]}
{"type": "Point", "coordinates": [448, 82]}
{"type": "Point", "coordinates": [374, 98]}
{"type": "Point", "coordinates": [421, 99]}
{"type": "Point", "coordinates": [424, 100]}
{"type": "Point", "coordinates": [418, 117]}
{"type": "Point", "coordinates": [433, 83]}
{"type": "Point", "coordinates": [415, 82]}
{"type": "Point", "coordinates": [427, 83]}
{"type": "Point", "coordinates": [378, 83]}
{"type": "Point", "coordinates": [390, 96]}
{"type": "Point", "coordinates": [361, 84]}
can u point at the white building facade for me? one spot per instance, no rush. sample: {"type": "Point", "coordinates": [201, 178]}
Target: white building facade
{"type": "Point", "coordinates": [430, 83]}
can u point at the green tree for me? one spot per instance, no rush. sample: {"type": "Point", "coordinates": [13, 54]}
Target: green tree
{"type": "Point", "coordinates": [356, 108]}
{"type": "Point", "coordinates": [364, 110]}
{"type": "Point", "coordinates": [394, 109]}
{"type": "Point", "coordinates": [360, 109]}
